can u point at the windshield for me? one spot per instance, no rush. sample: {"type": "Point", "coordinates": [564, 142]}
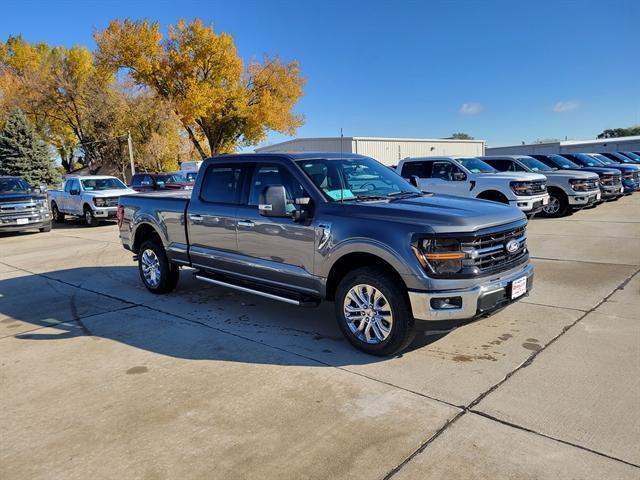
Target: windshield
{"type": "Point", "coordinates": [621, 158]}
{"type": "Point", "coordinates": [588, 160]}
{"type": "Point", "coordinates": [190, 176]}
{"type": "Point", "coordinates": [353, 179]}
{"type": "Point", "coordinates": [535, 165]}
{"type": "Point", "coordinates": [171, 178]}
{"type": "Point", "coordinates": [632, 156]}
{"type": "Point", "coordinates": [603, 159]}
{"type": "Point", "coordinates": [96, 184]}
{"type": "Point", "coordinates": [14, 185]}
{"type": "Point", "coordinates": [562, 162]}
{"type": "Point", "coordinates": [475, 165]}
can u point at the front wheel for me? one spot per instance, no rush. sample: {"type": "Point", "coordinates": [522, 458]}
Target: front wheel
{"type": "Point", "coordinates": [89, 218]}
{"type": "Point", "coordinates": [156, 272]}
{"type": "Point", "coordinates": [58, 216]}
{"type": "Point", "coordinates": [46, 228]}
{"type": "Point", "coordinates": [373, 312]}
{"type": "Point", "coordinates": [557, 206]}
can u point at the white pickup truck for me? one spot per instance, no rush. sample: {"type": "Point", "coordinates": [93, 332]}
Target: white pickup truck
{"type": "Point", "coordinates": [93, 198]}
{"type": "Point", "coordinates": [471, 177]}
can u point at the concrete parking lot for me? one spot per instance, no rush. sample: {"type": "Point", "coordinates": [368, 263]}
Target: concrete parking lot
{"type": "Point", "coordinates": [101, 379]}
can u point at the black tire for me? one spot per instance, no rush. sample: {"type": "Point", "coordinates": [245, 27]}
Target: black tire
{"type": "Point", "coordinates": [558, 205]}
{"type": "Point", "coordinates": [89, 218]}
{"type": "Point", "coordinates": [58, 216]}
{"type": "Point", "coordinates": [402, 331]}
{"type": "Point", "coordinates": [169, 272]}
{"type": "Point", "coordinates": [46, 228]}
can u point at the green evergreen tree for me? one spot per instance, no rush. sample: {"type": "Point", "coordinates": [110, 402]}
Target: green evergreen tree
{"type": "Point", "coordinates": [23, 153]}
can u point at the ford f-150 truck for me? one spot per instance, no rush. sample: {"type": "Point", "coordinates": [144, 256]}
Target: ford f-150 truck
{"type": "Point", "coordinates": [568, 190]}
{"type": "Point", "coordinates": [471, 177]}
{"type": "Point", "coordinates": [306, 227]}
{"type": "Point", "coordinates": [22, 207]}
{"type": "Point", "coordinates": [93, 198]}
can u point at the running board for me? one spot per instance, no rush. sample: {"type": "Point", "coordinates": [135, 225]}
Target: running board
{"type": "Point", "coordinates": [299, 301]}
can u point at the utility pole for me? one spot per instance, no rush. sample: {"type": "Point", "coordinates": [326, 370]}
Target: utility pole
{"type": "Point", "coordinates": [130, 143]}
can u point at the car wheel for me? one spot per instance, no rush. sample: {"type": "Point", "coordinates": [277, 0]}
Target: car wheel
{"type": "Point", "coordinates": [58, 216]}
{"type": "Point", "coordinates": [46, 228]}
{"type": "Point", "coordinates": [373, 312]}
{"type": "Point", "coordinates": [89, 219]}
{"type": "Point", "coordinates": [557, 206]}
{"type": "Point", "coordinates": [156, 272]}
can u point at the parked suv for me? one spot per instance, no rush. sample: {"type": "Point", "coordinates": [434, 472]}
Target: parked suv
{"type": "Point", "coordinates": [630, 173]}
{"type": "Point", "coordinates": [92, 197]}
{"type": "Point", "coordinates": [568, 190]}
{"type": "Point", "coordinates": [471, 177]}
{"type": "Point", "coordinates": [305, 227]}
{"type": "Point", "coordinates": [610, 181]}
{"type": "Point", "coordinates": [149, 182]}
{"type": "Point", "coordinates": [22, 207]}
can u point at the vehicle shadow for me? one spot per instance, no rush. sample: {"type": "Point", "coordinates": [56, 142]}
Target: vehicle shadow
{"type": "Point", "coordinates": [197, 321]}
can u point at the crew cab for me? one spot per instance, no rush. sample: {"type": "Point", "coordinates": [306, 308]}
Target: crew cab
{"type": "Point", "coordinates": [610, 180]}
{"type": "Point", "coordinates": [149, 182]}
{"type": "Point", "coordinates": [471, 177]}
{"type": "Point", "coordinates": [22, 207]}
{"type": "Point", "coordinates": [630, 173]}
{"type": "Point", "coordinates": [93, 197]}
{"type": "Point", "coordinates": [305, 227]}
{"type": "Point", "coordinates": [568, 190]}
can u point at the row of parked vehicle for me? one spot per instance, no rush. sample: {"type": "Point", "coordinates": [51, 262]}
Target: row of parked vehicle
{"type": "Point", "coordinates": [551, 185]}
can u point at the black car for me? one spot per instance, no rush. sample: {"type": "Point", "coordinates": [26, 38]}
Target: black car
{"type": "Point", "coordinates": [22, 207]}
{"type": "Point", "coordinates": [610, 179]}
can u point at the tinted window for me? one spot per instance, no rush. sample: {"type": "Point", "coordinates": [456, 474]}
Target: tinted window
{"type": "Point", "coordinates": [444, 170]}
{"type": "Point", "coordinates": [222, 184]}
{"type": "Point", "coordinates": [266, 175]}
{"type": "Point", "coordinates": [535, 165]}
{"type": "Point", "coordinates": [67, 185]}
{"type": "Point", "coordinates": [102, 184]}
{"type": "Point", "coordinates": [501, 165]}
{"type": "Point", "coordinates": [136, 181]}
{"type": "Point", "coordinates": [475, 165]}
{"type": "Point", "coordinates": [12, 185]}
{"type": "Point", "coordinates": [419, 169]}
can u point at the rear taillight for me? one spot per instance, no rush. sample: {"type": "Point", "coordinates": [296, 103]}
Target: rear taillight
{"type": "Point", "coordinates": [120, 214]}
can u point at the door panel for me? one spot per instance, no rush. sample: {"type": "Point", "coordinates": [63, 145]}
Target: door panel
{"type": "Point", "coordinates": [276, 250]}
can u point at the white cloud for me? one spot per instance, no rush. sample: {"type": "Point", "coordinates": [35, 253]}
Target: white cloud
{"type": "Point", "coordinates": [566, 106]}
{"type": "Point", "coordinates": [470, 108]}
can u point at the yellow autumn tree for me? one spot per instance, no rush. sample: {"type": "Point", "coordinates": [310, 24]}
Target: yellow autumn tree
{"type": "Point", "coordinates": [221, 103]}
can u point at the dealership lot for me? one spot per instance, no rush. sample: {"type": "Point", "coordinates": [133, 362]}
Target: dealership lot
{"type": "Point", "coordinates": [102, 379]}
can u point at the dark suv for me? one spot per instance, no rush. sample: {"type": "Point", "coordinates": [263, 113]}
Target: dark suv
{"type": "Point", "coordinates": [22, 207]}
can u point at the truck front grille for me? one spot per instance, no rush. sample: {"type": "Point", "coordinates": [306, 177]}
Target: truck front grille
{"type": "Point", "coordinates": [591, 184]}
{"type": "Point", "coordinates": [10, 212]}
{"type": "Point", "coordinates": [490, 253]}
{"type": "Point", "coordinates": [111, 201]}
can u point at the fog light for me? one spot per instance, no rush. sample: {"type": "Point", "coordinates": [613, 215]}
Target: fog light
{"type": "Point", "coordinates": [446, 303]}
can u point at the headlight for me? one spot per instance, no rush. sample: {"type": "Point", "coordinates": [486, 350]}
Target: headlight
{"type": "Point", "coordinates": [582, 185]}
{"type": "Point", "coordinates": [439, 256]}
{"type": "Point", "coordinates": [99, 202]}
{"type": "Point", "coordinates": [521, 188]}
{"type": "Point", "coordinates": [627, 176]}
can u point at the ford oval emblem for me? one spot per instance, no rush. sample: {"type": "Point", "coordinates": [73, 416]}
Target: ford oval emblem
{"type": "Point", "coordinates": [512, 246]}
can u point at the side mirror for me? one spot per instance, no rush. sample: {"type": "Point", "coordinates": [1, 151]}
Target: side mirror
{"type": "Point", "coordinates": [414, 180]}
{"type": "Point", "coordinates": [459, 176]}
{"type": "Point", "coordinates": [273, 201]}
{"type": "Point", "coordinates": [74, 192]}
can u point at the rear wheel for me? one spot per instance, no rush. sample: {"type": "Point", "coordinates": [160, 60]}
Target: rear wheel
{"type": "Point", "coordinates": [373, 312]}
{"type": "Point", "coordinates": [156, 272]}
{"type": "Point", "coordinates": [58, 216]}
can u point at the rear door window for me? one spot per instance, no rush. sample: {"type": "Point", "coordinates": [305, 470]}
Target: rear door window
{"type": "Point", "coordinates": [419, 169]}
{"type": "Point", "coordinates": [223, 184]}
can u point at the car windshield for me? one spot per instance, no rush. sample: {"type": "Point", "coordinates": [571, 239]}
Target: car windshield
{"type": "Point", "coordinates": [190, 176]}
{"type": "Point", "coordinates": [475, 165]}
{"type": "Point", "coordinates": [633, 156]}
{"type": "Point", "coordinates": [535, 165]}
{"type": "Point", "coordinates": [588, 160]}
{"type": "Point", "coordinates": [97, 184]}
{"type": "Point", "coordinates": [621, 158]}
{"type": "Point", "coordinates": [171, 178]}
{"type": "Point", "coordinates": [602, 159]}
{"type": "Point", "coordinates": [562, 162]}
{"type": "Point", "coordinates": [353, 179]}
{"type": "Point", "coordinates": [14, 185]}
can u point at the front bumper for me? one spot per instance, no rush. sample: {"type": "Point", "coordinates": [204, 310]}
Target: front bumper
{"type": "Point", "coordinates": [487, 296]}
{"type": "Point", "coordinates": [630, 186]}
{"type": "Point", "coordinates": [105, 212]}
{"type": "Point", "coordinates": [35, 224]}
{"type": "Point", "coordinates": [611, 191]}
{"type": "Point", "coordinates": [531, 204]}
{"type": "Point", "coordinates": [584, 199]}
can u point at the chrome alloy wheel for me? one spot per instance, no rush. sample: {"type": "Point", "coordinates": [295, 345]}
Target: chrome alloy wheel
{"type": "Point", "coordinates": [553, 206]}
{"type": "Point", "coordinates": [88, 217]}
{"type": "Point", "coordinates": [368, 314]}
{"type": "Point", "coordinates": [151, 268]}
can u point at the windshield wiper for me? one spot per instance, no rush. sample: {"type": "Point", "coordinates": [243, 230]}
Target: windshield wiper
{"type": "Point", "coordinates": [404, 194]}
{"type": "Point", "coordinates": [365, 198]}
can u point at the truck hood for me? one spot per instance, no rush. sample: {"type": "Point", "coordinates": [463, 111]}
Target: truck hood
{"type": "Point", "coordinates": [598, 170]}
{"type": "Point", "coordinates": [19, 197]}
{"type": "Point", "coordinates": [438, 213]}
{"type": "Point", "coordinates": [116, 192]}
{"type": "Point", "coordinates": [567, 174]}
{"type": "Point", "coordinates": [511, 176]}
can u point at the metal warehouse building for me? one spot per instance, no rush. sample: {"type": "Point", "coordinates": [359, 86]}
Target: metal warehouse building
{"type": "Point", "coordinates": [388, 151]}
{"type": "Point", "coordinates": [620, 144]}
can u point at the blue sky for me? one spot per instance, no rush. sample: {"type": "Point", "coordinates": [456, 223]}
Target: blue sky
{"type": "Point", "coordinates": [505, 71]}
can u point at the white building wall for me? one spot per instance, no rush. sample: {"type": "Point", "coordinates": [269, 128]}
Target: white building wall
{"type": "Point", "coordinates": [621, 144]}
{"type": "Point", "coordinates": [327, 144]}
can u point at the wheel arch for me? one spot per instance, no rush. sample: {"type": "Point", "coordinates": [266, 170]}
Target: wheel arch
{"type": "Point", "coordinates": [143, 232]}
{"type": "Point", "coordinates": [493, 195]}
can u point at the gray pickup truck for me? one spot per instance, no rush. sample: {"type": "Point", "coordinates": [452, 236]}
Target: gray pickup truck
{"type": "Point", "coordinates": [306, 227]}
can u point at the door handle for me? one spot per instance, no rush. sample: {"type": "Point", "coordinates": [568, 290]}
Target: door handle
{"type": "Point", "coordinates": [196, 218]}
{"type": "Point", "coordinates": [246, 223]}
